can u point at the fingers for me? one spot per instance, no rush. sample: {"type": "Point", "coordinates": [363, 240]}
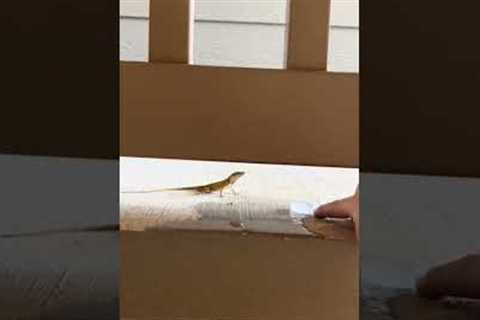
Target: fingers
{"type": "Point", "coordinates": [344, 208]}
{"type": "Point", "coordinates": [336, 209]}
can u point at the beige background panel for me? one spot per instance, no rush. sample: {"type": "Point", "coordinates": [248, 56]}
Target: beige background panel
{"type": "Point", "coordinates": [234, 114]}
{"type": "Point", "coordinates": [198, 275]}
{"type": "Point", "coordinates": [308, 29]}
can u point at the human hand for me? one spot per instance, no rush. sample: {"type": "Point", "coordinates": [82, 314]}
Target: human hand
{"type": "Point", "coordinates": [343, 208]}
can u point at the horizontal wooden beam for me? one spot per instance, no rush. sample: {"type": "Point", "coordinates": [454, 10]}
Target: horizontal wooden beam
{"type": "Point", "coordinates": [235, 276]}
{"type": "Point", "coordinates": [235, 114]}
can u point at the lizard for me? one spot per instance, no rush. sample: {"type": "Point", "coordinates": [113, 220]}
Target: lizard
{"type": "Point", "coordinates": [203, 189]}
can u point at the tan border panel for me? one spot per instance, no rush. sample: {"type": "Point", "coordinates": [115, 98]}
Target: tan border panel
{"type": "Point", "coordinates": [169, 35]}
{"type": "Point", "coordinates": [207, 275]}
{"type": "Point", "coordinates": [308, 34]}
{"type": "Point", "coordinates": [234, 114]}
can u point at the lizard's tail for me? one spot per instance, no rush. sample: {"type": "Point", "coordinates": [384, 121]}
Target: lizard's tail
{"type": "Point", "coordinates": [161, 190]}
{"type": "Point", "coordinates": [147, 191]}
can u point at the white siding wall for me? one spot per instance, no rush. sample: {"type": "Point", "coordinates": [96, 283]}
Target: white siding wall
{"type": "Point", "coordinates": [248, 33]}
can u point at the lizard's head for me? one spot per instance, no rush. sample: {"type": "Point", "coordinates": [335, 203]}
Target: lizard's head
{"type": "Point", "coordinates": [235, 176]}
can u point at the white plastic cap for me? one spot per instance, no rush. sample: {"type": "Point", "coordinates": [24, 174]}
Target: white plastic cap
{"type": "Point", "coordinates": [301, 209]}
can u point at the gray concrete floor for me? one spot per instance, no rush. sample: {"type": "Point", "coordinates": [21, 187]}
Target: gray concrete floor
{"type": "Point", "coordinates": [410, 224]}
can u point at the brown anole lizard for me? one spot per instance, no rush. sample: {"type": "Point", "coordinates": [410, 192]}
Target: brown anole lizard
{"type": "Point", "coordinates": [203, 189]}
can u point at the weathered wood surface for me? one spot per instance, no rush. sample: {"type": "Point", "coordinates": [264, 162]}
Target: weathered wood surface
{"type": "Point", "coordinates": [262, 202]}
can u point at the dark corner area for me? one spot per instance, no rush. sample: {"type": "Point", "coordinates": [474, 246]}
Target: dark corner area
{"type": "Point", "coordinates": [59, 78]}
